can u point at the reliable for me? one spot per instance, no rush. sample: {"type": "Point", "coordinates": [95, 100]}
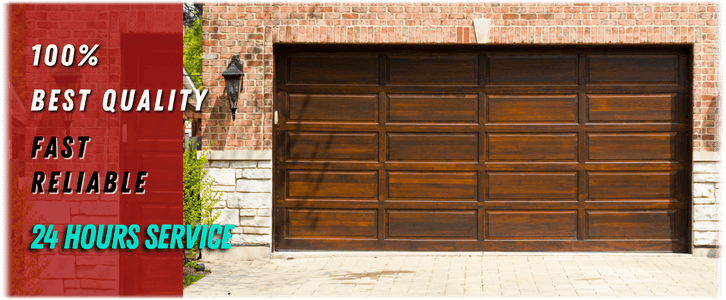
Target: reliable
{"type": "Point", "coordinates": [92, 185]}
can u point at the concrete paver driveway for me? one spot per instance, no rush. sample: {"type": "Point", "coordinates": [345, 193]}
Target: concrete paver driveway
{"type": "Point", "coordinates": [466, 274]}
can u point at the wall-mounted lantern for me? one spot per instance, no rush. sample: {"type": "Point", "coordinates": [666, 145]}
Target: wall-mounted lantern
{"type": "Point", "coordinates": [67, 78]}
{"type": "Point", "coordinates": [232, 79]}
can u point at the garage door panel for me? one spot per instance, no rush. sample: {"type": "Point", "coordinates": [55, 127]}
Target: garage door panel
{"type": "Point", "coordinates": [532, 147]}
{"type": "Point", "coordinates": [632, 224]}
{"type": "Point", "coordinates": [640, 127]}
{"type": "Point", "coordinates": [532, 224]}
{"type": "Point", "coordinates": [332, 146]}
{"type": "Point", "coordinates": [633, 146]}
{"type": "Point", "coordinates": [433, 185]}
{"type": "Point", "coordinates": [632, 185]}
{"type": "Point", "coordinates": [482, 148]}
{"type": "Point", "coordinates": [315, 68]}
{"type": "Point", "coordinates": [432, 147]}
{"type": "Point", "coordinates": [532, 204]}
{"type": "Point", "coordinates": [532, 108]}
{"type": "Point", "coordinates": [336, 108]}
{"type": "Point", "coordinates": [533, 69]}
{"type": "Point", "coordinates": [433, 108]}
{"type": "Point", "coordinates": [433, 69]}
{"type": "Point", "coordinates": [633, 69]}
{"type": "Point", "coordinates": [634, 166]}
{"type": "Point", "coordinates": [332, 184]}
{"type": "Point", "coordinates": [632, 108]}
{"type": "Point", "coordinates": [436, 224]}
{"type": "Point", "coordinates": [335, 223]}
{"type": "Point", "coordinates": [531, 186]}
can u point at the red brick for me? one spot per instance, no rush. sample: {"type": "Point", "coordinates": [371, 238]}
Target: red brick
{"type": "Point", "coordinates": [440, 23]}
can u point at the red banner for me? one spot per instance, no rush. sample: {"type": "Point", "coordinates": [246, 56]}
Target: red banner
{"type": "Point", "coordinates": [78, 160]}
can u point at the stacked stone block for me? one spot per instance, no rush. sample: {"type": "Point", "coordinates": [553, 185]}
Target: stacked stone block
{"type": "Point", "coordinates": [246, 187]}
{"type": "Point", "coordinates": [706, 186]}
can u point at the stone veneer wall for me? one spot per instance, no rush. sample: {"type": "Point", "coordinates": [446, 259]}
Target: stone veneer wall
{"type": "Point", "coordinates": [245, 180]}
{"type": "Point", "coordinates": [706, 187]}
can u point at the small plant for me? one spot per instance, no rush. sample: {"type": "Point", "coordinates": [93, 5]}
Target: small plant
{"type": "Point", "coordinates": [193, 51]}
{"type": "Point", "coordinates": [199, 197]}
{"type": "Point", "coordinates": [192, 264]}
{"type": "Point", "coordinates": [190, 279]}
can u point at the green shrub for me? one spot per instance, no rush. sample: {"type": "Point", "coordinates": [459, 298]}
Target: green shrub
{"type": "Point", "coordinates": [192, 264]}
{"type": "Point", "coordinates": [199, 197]}
{"type": "Point", "coordinates": [190, 279]}
{"type": "Point", "coordinates": [193, 52]}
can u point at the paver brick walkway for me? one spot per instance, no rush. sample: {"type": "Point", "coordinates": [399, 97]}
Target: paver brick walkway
{"type": "Point", "coordinates": [476, 275]}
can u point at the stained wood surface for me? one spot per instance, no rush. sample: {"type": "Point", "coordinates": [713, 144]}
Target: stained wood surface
{"type": "Point", "coordinates": [482, 148]}
{"type": "Point", "coordinates": [445, 186]}
{"type": "Point", "coordinates": [334, 108]}
{"type": "Point", "coordinates": [532, 224]}
{"type": "Point", "coordinates": [325, 223]}
{"type": "Point", "coordinates": [525, 69]}
{"type": "Point", "coordinates": [532, 185]}
{"type": "Point", "coordinates": [532, 108]}
{"type": "Point", "coordinates": [432, 146]}
{"type": "Point", "coordinates": [635, 108]}
{"type": "Point", "coordinates": [433, 108]}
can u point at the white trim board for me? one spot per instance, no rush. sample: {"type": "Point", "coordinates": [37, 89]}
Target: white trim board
{"type": "Point", "coordinates": [706, 156]}
{"type": "Point", "coordinates": [239, 155]}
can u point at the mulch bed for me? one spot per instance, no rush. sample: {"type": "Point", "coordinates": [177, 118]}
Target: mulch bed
{"type": "Point", "coordinates": [193, 271]}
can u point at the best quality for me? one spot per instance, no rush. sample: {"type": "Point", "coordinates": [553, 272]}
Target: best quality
{"type": "Point", "coordinates": [126, 102]}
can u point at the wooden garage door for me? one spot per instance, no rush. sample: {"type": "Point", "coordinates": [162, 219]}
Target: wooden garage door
{"type": "Point", "coordinates": [482, 148]}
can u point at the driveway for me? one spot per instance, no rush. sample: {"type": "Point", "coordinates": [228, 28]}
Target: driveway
{"type": "Point", "coordinates": [460, 274]}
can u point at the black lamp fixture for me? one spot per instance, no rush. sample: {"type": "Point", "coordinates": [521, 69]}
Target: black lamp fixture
{"type": "Point", "coordinates": [67, 78]}
{"type": "Point", "coordinates": [232, 79]}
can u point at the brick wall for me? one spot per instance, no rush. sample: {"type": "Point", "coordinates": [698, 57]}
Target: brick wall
{"type": "Point", "coordinates": [251, 29]}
